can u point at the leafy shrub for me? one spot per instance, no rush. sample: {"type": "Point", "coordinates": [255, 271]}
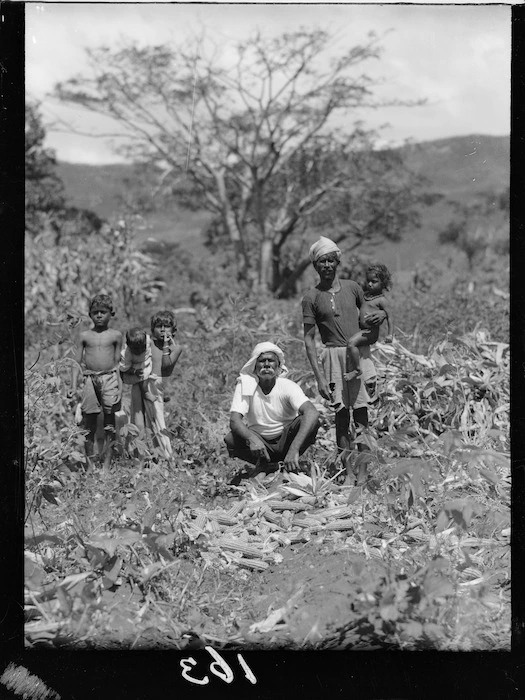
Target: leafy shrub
{"type": "Point", "coordinates": [62, 277]}
{"type": "Point", "coordinates": [53, 444]}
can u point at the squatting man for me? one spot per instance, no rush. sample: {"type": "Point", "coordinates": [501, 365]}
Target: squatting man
{"type": "Point", "coordinates": [271, 419]}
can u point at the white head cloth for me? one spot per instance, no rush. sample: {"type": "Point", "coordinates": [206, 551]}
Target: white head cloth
{"type": "Point", "coordinates": [322, 247]}
{"type": "Point", "coordinates": [247, 376]}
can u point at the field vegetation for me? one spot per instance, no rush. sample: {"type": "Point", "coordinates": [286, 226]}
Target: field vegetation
{"type": "Point", "coordinates": [152, 554]}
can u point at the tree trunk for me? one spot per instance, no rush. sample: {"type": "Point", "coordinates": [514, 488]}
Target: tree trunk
{"type": "Point", "coordinates": [236, 237]}
{"type": "Point", "coordinates": [232, 228]}
{"type": "Point", "coordinates": [266, 265]}
{"type": "Point", "coordinates": [287, 283]}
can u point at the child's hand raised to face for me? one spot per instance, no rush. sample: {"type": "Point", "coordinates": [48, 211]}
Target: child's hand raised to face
{"type": "Point", "coordinates": [168, 339]}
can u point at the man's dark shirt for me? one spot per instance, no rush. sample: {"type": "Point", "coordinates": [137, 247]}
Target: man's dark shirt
{"type": "Point", "coordinates": [336, 315]}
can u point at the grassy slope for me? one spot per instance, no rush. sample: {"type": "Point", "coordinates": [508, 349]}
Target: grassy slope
{"type": "Point", "coordinates": [459, 168]}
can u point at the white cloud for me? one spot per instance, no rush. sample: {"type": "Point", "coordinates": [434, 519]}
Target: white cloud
{"type": "Point", "coordinates": [458, 57]}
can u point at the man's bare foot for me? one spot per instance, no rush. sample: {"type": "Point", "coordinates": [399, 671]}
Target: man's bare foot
{"type": "Point", "coordinates": [354, 374]}
{"type": "Point", "coordinates": [108, 454]}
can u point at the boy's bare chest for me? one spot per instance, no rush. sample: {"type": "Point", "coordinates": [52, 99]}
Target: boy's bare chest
{"type": "Point", "coordinates": [100, 341]}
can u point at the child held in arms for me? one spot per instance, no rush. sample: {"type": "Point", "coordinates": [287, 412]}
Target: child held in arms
{"type": "Point", "coordinates": [378, 280]}
{"type": "Point", "coordinates": [147, 394]}
{"type": "Point", "coordinates": [99, 351]}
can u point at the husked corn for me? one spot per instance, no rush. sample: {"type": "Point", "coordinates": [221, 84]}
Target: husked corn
{"type": "Point", "coordinates": [340, 525]}
{"type": "Point", "coordinates": [242, 547]}
{"type": "Point", "coordinates": [305, 521]}
{"type": "Point", "coordinates": [272, 517]}
{"type": "Point", "coordinates": [286, 505]}
{"type": "Point", "coordinates": [198, 511]}
{"type": "Point", "coordinates": [224, 519]}
{"type": "Point", "coordinates": [235, 509]}
{"type": "Point", "coordinates": [200, 521]}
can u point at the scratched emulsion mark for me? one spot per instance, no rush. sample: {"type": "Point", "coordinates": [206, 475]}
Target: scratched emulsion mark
{"type": "Point", "coordinates": [26, 685]}
{"type": "Point", "coordinates": [192, 112]}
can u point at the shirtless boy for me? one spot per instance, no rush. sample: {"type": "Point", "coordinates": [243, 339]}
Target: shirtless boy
{"type": "Point", "coordinates": [99, 351]}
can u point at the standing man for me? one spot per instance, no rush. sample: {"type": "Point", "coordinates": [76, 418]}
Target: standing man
{"type": "Point", "coordinates": [333, 306]}
{"type": "Point", "coordinates": [271, 419]}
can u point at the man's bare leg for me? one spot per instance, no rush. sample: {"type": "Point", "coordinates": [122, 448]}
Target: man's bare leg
{"type": "Point", "coordinates": [344, 443]}
{"type": "Point", "coordinates": [361, 421]}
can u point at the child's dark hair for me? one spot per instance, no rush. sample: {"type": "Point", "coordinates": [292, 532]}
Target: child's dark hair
{"type": "Point", "coordinates": [382, 272]}
{"type": "Point", "coordinates": [164, 318]}
{"type": "Point", "coordinates": [102, 300]}
{"type": "Point", "coordinates": [136, 338]}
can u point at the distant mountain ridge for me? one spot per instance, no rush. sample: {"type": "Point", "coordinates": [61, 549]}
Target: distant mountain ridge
{"type": "Point", "coordinates": [460, 168]}
{"type": "Point", "coordinates": [474, 163]}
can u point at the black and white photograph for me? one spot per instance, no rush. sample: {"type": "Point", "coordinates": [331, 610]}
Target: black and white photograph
{"type": "Point", "coordinates": [266, 354]}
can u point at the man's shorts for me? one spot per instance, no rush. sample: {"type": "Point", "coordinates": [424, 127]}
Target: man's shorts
{"type": "Point", "coordinates": [352, 394]}
{"type": "Point", "coordinates": [102, 392]}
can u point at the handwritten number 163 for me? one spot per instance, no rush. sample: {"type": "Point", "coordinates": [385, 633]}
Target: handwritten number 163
{"type": "Point", "coordinates": [219, 667]}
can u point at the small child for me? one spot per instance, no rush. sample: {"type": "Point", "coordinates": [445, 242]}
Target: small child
{"type": "Point", "coordinates": [99, 350]}
{"type": "Point", "coordinates": [163, 350]}
{"type": "Point", "coordinates": [378, 279]}
{"type": "Point", "coordinates": [135, 361]}
{"type": "Point", "coordinates": [147, 396]}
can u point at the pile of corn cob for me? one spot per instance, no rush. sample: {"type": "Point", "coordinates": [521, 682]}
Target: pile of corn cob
{"type": "Point", "coordinates": [250, 532]}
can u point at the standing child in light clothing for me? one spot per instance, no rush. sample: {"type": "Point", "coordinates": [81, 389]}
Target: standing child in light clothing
{"type": "Point", "coordinates": [378, 279]}
{"type": "Point", "coordinates": [147, 396]}
{"type": "Point", "coordinates": [99, 350]}
{"type": "Point", "coordinates": [135, 361]}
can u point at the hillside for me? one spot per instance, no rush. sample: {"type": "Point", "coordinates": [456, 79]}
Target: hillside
{"type": "Point", "coordinates": [464, 165]}
{"type": "Point", "coordinates": [459, 168]}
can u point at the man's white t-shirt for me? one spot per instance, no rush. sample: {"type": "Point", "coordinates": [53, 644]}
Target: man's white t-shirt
{"type": "Point", "coordinates": [269, 414]}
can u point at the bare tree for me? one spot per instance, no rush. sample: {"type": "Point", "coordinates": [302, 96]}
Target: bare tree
{"type": "Point", "coordinates": [229, 132]}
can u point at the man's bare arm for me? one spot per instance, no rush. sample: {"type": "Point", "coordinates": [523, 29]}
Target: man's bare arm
{"type": "Point", "coordinates": [119, 339]}
{"type": "Point", "coordinates": [311, 354]}
{"type": "Point", "coordinates": [375, 317]}
{"type": "Point", "coordinates": [310, 419]}
{"type": "Point", "coordinates": [240, 430]}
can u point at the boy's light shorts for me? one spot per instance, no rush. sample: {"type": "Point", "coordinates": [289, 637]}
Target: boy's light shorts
{"type": "Point", "coordinates": [350, 394]}
{"type": "Point", "coordinates": [102, 392]}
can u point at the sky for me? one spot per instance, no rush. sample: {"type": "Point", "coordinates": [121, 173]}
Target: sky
{"type": "Point", "coordinates": [457, 57]}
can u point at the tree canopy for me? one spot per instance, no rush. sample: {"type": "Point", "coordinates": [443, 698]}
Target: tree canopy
{"type": "Point", "coordinates": [44, 191]}
{"type": "Point", "coordinates": [256, 138]}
